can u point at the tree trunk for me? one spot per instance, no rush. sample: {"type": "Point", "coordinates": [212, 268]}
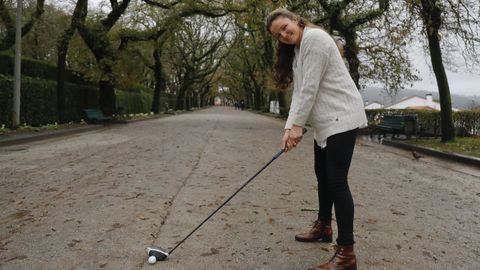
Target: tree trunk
{"type": "Point", "coordinates": [183, 93]}
{"type": "Point", "coordinates": [62, 50]}
{"type": "Point", "coordinates": [107, 97]}
{"type": "Point", "coordinates": [196, 100]}
{"type": "Point", "coordinates": [282, 104]}
{"type": "Point", "coordinates": [96, 36]}
{"type": "Point", "coordinates": [62, 55]}
{"type": "Point", "coordinates": [160, 83]}
{"type": "Point", "coordinates": [193, 100]}
{"type": "Point", "coordinates": [258, 98]}
{"type": "Point", "coordinates": [202, 99]}
{"type": "Point", "coordinates": [351, 54]}
{"type": "Point", "coordinates": [432, 20]}
{"type": "Point", "coordinates": [181, 98]}
{"type": "Point", "coordinates": [203, 93]}
{"type": "Point", "coordinates": [188, 101]}
{"type": "Point", "coordinates": [105, 58]}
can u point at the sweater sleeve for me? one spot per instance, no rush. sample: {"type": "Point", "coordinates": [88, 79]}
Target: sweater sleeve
{"type": "Point", "coordinates": [315, 58]}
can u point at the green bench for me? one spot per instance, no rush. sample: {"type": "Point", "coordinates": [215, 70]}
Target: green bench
{"type": "Point", "coordinates": [95, 116]}
{"type": "Point", "coordinates": [396, 125]}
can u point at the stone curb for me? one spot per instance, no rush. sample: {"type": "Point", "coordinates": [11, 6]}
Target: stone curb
{"type": "Point", "coordinates": [32, 137]}
{"type": "Point", "coordinates": [432, 152]}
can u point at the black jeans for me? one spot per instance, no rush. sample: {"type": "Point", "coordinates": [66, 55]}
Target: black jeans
{"type": "Point", "coordinates": [331, 167]}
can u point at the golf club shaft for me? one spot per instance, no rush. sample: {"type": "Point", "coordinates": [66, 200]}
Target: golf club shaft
{"type": "Point", "coordinates": [229, 198]}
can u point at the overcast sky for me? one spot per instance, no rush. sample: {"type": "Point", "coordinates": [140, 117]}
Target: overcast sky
{"type": "Point", "coordinates": [460, 83]}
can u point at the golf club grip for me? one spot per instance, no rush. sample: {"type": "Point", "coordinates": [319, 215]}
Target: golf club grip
{"type": "Point", "coordinates": [229, 198]}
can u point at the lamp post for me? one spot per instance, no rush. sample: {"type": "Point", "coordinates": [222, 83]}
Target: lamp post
{"type": "Point", "coordinates": [17, 72]}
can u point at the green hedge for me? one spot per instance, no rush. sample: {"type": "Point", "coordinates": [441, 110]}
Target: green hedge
{"type": "Point", "coordinates": [467, 122]}
{"type": "Point", "coordinates": [34, 92]}
{"type": "Point", "coordinates": [36, 68]}
{"type": "Point", "coordinates": [78, 98]}
{"type": "Point", "coordinates": [139, 100]}
{"type": "Point", "coordinates": [133, 102]}
{"type": "Point", "coordinates": [38, 104]}
{"type": "Point", "coordinates": [38, 101]}
{"type": "Point", "coordinates": [429, 122]}
{"type": "Point", "coordinates": [167, 99]}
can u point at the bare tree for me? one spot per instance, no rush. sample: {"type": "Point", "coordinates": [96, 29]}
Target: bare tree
{"type": "Point", "coordinates": [459, 19]}
{"type": "Point", "coordinates": [169, 17]}
{"type": "Point", "coordinates": [200, 49]}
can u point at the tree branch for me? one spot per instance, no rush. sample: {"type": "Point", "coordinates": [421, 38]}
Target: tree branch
{"type": "Point", "coordinates": [9, 39]}
{"type": "Point", "coordinates": [162, 5]}
{"type": "Point", "coordinates": [114, 4]}
{"type": "Point", "coordinates": [115, 14]}
{"type": "Point", "coordinates": [345, 3]}
{"type": "Point", "coordinates": [368, 16]}
{"type": "Point", "coordinates": [38, 12]}
{"type": "Point", "coordinates": [5, 16]}
{"type": "Point", "coordinates": [325, 5]}
{"type": "Point", "coordinates": [132, 36]}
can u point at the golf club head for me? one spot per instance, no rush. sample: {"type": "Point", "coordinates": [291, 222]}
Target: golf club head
{"type": "Point", "coordinates": [158, 252]}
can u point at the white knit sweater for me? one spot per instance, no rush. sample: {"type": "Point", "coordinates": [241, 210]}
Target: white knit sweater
{"type": "Point", "coordinates": [324, 94]}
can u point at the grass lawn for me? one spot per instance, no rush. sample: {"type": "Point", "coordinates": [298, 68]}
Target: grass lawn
{"type": "Point", "coordinates": [469, 146]}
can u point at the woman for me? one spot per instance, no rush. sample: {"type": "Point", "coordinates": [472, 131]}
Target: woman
{"type": "Point", "coordinates": [326, 96]}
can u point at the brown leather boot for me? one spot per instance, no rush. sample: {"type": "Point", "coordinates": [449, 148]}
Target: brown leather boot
{"type": "Point", "coordinates": [344, 259]}
{"type": "Point", "coordinates": [321, 231]}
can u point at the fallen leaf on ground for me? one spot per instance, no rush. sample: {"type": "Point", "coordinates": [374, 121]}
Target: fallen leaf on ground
{"type": "Point", "coordinates": [213, 251]}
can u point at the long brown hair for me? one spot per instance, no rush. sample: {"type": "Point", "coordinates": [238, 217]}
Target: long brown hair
{"type": "Point", "coordinates": [282, 69]}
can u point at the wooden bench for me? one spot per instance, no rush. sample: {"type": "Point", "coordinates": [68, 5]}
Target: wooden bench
{"type": "Point", "coordinates": [96, 116]}
{"type": "Point", "coordinates": [395, 125]}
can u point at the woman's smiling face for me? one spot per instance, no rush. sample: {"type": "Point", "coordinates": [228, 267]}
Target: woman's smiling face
{"type": "Point", "coordinates": [286, 31]}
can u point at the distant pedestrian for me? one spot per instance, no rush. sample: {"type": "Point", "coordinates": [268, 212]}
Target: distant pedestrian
{"type": "Point", "coordinates": [242, 104]}
{"type": "Point", "coordinates": [324, 93]}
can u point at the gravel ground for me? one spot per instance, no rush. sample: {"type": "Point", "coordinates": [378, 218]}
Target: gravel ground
{"type": "Point", "coordinates": [97, 200]}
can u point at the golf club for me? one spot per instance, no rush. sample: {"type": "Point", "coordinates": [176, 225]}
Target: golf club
{"type": "Point", "coordinates": [156, 253]}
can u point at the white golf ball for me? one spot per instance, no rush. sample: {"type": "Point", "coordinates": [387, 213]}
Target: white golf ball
{"type": "Point", "coordinates": [152, 259]}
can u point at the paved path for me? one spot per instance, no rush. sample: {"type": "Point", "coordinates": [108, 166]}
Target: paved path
{"type": "Point", "coordinates": [98, 199]}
